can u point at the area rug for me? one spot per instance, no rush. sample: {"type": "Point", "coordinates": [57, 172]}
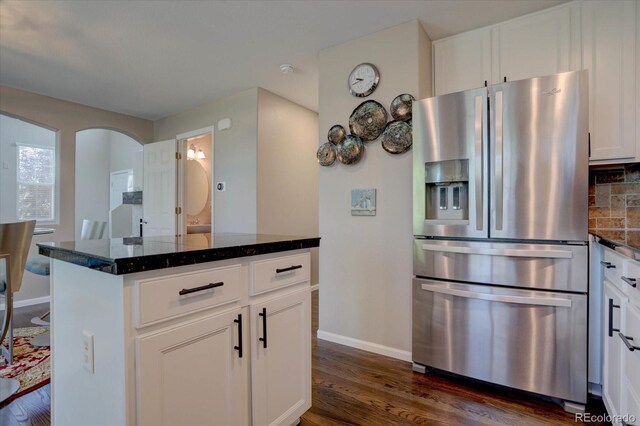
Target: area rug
{"type": "Point", "coordinates": [31, 365]}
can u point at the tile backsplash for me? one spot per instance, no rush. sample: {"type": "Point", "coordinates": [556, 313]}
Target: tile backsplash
{"type": "Point", "coordinates": [614, 203]}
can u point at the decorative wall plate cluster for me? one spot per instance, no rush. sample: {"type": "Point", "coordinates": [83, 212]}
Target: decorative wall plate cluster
{"type": "Point", "coordinates": [367, 123]}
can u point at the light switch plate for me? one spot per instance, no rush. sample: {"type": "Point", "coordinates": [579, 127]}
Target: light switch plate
{"type": "Point", "coordinates": [87, 352]}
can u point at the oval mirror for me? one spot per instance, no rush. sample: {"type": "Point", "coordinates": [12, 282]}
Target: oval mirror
{"type": "Point", "coordinates": [197, 188]}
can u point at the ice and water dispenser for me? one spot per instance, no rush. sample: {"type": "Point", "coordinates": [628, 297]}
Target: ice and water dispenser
{"type": "Point", "coordinates": [447, 190]}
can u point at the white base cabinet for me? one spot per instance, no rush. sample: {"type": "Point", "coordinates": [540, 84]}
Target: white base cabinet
{"type": "Point", "coordinates": [621, 320]}
{"type": "Point", "coordinates": [281, 359]}
{"type": "Point", "coordinates": [219, 343]}
{"type": "Point", "coordinates": [194, 373]}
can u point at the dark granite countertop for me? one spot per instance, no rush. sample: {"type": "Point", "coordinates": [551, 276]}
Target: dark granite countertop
{"type": "Point", "coordinates": [120, 256]}
{"type": "Point", "coordinates": [622, 248]}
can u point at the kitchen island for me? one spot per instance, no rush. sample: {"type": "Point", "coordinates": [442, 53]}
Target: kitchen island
{"type": "Point", "coordinates": [199, 329]}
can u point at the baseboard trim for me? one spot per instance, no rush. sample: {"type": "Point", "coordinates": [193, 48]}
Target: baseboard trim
{"type": "Point", "coordinates": [28, 302]}
{"type": "Point", "coordinates": [365, 346]}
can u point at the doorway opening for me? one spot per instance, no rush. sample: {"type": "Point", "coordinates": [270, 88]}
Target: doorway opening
{"type": "Point", "coordinates": [195, 182]}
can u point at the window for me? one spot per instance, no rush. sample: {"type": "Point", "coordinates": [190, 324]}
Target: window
{"type": "Point", "coordinates": [35, 178]}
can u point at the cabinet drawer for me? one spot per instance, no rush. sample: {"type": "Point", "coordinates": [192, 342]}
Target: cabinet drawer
{"type": "Point", "coordinates": [613, 268]}
{"type": "Point", "coordinates": [160, 298]}
{"type": "Point", "coordinates": [271, 274]}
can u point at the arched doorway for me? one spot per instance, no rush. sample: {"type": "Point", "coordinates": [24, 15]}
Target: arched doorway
{"type": "Point", "coordinates": [108, 181]}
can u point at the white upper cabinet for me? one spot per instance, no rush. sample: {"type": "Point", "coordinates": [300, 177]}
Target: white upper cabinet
{"type": "Point", "coordinates": [609, 53]}
{"type": "Point", "coordinates": [538, 44]}
{"type": "Point", "coordinates": [534, 45]}
{"type": "Point", "coordinates": [462, 62]}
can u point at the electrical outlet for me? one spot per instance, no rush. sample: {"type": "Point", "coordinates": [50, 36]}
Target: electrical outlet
{"type": "Point", "coordinates": [87, 354]}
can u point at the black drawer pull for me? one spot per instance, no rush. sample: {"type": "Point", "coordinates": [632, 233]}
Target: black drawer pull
{"type": "Point", "coordinates": [630, 281]}
{"type": "Point", "coordinates": [607, 265]}
{"type": "Point", "coordinates": [263, 339]}
{"type": "Point", "coordinates": [201, 288]}
{"type": "Point", "coordinates": [611, 306]}
{"type": "Point", "coordinates": [290, 268]}
{"type": "Point", "coordinates": [628, 344]}
{"type": "Point", "coordinates": [239, 347]}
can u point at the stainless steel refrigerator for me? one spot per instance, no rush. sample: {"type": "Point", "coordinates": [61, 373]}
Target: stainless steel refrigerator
{"type": "Point", "coordinates": [500, 291]}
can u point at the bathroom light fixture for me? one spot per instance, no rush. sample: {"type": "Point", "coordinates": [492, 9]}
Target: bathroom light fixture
{"type": "Point", "coordinates": [201, 154]}
{"type": "Point", "coordinates": [191, 152]}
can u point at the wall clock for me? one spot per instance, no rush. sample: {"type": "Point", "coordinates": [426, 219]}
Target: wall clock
{"type": "Point", "coordinates": [363, 80]}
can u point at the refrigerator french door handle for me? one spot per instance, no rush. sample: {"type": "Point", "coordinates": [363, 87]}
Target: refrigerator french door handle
{"type": "Point", "coordinates": [498, 159]}
{"type": "Point", "coordinates": [479, 132]}
{"type": "Point", "coordinates": [522, 300]}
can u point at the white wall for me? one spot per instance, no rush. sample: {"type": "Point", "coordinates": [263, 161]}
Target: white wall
{"type": "Point", "coordinates": [366, 262]}
{"type": "Point", "coordinates": [287, 170]}
{"type": "Point", "coordinates": [92, 176]}
{"type": "Point", "coordinates": [235, 155]}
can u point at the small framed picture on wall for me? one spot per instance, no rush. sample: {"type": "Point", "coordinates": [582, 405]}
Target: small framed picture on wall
{"type": "Point", "coordinates": [363, 202]}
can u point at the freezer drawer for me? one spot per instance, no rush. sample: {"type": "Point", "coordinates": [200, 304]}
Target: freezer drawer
{"type": "Point", "coordinates": [536, 266]}
{"type": "Point", "coordinates": [530, 340]}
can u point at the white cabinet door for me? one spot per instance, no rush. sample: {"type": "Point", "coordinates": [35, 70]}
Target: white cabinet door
{"type": "Point", "coordinates": [536, 45]}
{"type": "Point", "coordinates": [159, 194]}
{"type": "Point", "coordinates": [281, 358]}
{"type": "Point", "coordinates": [613, 346]}
{"type": "Point", "coordinates": [609, 53]}
{"type": "Point", "coordinates": [462, 62]}
{"type": "Point", "coordinates": [193, 374]}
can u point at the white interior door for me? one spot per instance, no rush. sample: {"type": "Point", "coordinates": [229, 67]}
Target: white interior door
{"type": "Point", "coordinates": [159, 194]}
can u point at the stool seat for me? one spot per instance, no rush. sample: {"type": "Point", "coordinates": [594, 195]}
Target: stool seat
{"type": "Point", "coordinates": [38, 265]}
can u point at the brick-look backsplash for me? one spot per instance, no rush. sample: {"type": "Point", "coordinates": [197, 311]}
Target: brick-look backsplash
{"type": "Point", "coordinates": [614, 204]}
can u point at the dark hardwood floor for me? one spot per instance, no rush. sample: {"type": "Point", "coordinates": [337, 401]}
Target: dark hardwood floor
{"type": "Point", "coordinates": [354, 387]}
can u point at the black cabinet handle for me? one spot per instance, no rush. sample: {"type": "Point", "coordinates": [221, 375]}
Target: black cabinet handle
{"type": "Point", "coordinates": [631, 281]}
{"type": "Point", "coordinates": [239, 347]}
{"type": "Point", "coordinates": [607, 265]}
{"type": "Point", "coordinates": [611, 306]}
{"type": "Point", "coordinates": [290, 268]}
{"type": "Point", "coordinates": [201, 288]}
{"type": "Point", "coordinates": [263, 339]}
{"type": "Point", "coordinates": [628, 344]}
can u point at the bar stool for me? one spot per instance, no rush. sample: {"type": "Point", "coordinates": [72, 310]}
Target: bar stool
{"type": "Point", "coordinates": [15, 240]}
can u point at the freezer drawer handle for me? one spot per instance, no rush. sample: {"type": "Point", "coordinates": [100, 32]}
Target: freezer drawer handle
{"type": "Point", "coordinates": [540, 301]}
{"type": "Point", "coordinates": [628, 344]}
{"type": "Point", "coordinates": [551, 254]}
{"type": "Point", "coordinates": [631, 281]}
{"type": "Point", "coordinates": [607, 265]}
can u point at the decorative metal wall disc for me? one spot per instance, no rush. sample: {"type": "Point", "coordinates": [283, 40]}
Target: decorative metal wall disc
{"type": "Point", "coordinates": [326, 154]}
{"type": "Point", "coordinates": [397, 137]}
{"type": "Point", "coordinates": [350, 150]}
{"type": "Point", "coordinates": [401, 107]}
{"type": "Point", "coordinates": [336, 134]}
{"type": "Point", "coordinates": [368, 120]}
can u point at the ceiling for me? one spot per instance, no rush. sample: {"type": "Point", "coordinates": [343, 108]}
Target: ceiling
{"type": "Point", "coordinates": [151, 59]}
